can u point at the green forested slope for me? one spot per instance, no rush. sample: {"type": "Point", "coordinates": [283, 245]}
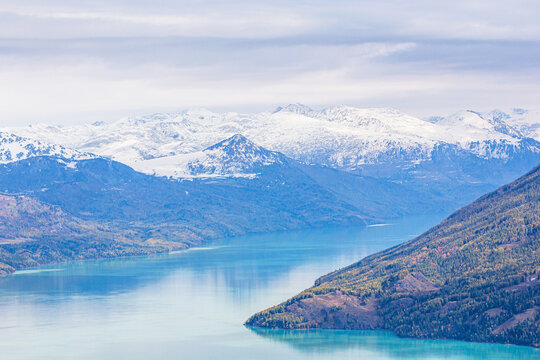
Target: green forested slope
{"type": "Point", "coordinates": [472, 277]}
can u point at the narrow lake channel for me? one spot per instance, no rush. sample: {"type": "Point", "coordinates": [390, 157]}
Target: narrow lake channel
{"type": "Point", "coordinates": [192, 304]}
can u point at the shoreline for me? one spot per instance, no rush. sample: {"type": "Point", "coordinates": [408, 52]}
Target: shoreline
{"type": "Point", "coordinates": [257, 329]}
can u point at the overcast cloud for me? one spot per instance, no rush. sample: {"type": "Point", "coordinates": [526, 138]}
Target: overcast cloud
{"type": "Point", "coordinates": [67, 62]}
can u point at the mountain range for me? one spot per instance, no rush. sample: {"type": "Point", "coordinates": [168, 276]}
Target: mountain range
{"type": "Point", "coordinates": [98, 203]}
{"type": "Point", "coordinates": [474, 277]}
{"type": "Point", "coordinates": [169, 181]}
{"type": "Point", "coordinates": [379, 142]}
{"type": "Point", "coordinates": [15, 148]}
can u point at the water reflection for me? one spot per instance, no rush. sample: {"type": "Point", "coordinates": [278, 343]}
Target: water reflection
{"type": "Point", "coordinates": [192, 305]}
{"type": "Point", "coordinates": [383, 344]}
{"type": "Point", "coordinates": [248, 262]}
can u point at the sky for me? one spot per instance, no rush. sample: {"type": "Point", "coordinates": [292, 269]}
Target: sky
{"type": "Point", "coordinates": [73, 62]}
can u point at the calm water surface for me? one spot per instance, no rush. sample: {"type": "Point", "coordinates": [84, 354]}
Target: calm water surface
{"type": "Point", "coordinates": [191, 305]}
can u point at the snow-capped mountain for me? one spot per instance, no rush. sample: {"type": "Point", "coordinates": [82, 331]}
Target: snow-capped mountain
{"type": "Point", "coordinates": [517, 123]}
{"type": "Point", "coordinates": [488, 135]}
{"type": "Point", "coordinates": [233, 157]}
{"type": "Point", "coordinates": [15, 148]}
{"type": "Point", "coordinates": [379, 142]}
{"type": "Point", "coordinates": [527, 122]}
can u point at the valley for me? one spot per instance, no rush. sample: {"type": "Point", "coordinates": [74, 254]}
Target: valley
{"type": "Point", "coordinates": [170, 182]}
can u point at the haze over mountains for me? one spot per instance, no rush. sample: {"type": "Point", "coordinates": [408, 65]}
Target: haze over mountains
{"type": "Point", "coordinates": [189, 177]}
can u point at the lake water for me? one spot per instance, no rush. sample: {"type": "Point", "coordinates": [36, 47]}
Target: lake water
{"type": "Point", "coordinates": [192, 304]}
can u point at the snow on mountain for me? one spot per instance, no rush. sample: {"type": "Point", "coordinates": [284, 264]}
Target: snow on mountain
{"type": "Point", "coordinates": [14, 148]}
{"type": "Point", "coordinates": [489, 135]}
{"type": "Point", "coordinates": [475, 126]}
{"type": "Point", "coordinates": [233, 157]}
{"type": "Point", "coordinates": [297, 108]}
{"type": "Point", "coordinates": [516, 123]}
{"type": "Point", "coordinates": [342, 137]}
{"type": "Point", "coordinates": [527, 122]}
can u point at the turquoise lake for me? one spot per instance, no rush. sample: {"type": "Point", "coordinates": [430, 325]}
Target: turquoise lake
{"type": "Point", "coordinates": [192, 304]}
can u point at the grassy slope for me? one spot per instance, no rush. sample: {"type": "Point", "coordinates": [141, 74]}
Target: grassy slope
{"type": "Point", "coordinates": [472, 277]}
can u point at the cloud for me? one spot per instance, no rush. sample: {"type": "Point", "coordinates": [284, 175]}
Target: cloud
{"type": "Point", "coordinates": [125, 24]}
{"type": "Point", "coordinates": [458, 19]}
{"type": "Point", "coordinates": [96, 89]}
{"type": "Point", "coordinates": [67, 61]}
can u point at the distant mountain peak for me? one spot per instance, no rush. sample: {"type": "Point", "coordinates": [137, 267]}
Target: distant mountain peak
{"type": "Point", "coordinates": [234, 156]}
{"type": "Point", "coordinates": [295, 108]}
{"type": "Point", "coordinates": [520, 111]}
{"type": "Point", "coordinates": [238, 147]}
{"type": "Point", "coordinates": [234, 142]}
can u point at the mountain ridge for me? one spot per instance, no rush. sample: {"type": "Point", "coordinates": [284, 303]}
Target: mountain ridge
{"type": "Point", "coordinates": [15, 148]}
{"type": "Point", "coordinates": [376, 141]}
{"type": "Point", "coordinates": [245, 188]}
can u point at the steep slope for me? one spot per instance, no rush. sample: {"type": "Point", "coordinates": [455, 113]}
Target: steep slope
{"type": "Point", "coordinates": [34, 233]}
{"type": "Point", "coordinates": [472, 277]}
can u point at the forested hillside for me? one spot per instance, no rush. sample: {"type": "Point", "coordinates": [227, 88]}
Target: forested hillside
{"type": "Point", "coordinates": [472, 277]}
{"type": "Point", "coordinates": [34, 233]}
